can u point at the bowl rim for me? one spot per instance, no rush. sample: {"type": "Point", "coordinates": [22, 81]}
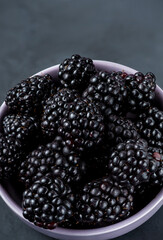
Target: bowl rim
{"type": "Point", "coordinates": [152, 207]}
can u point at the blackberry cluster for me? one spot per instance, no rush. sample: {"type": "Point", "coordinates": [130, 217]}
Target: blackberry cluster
{"type": "Point", "coordinates": [82, 125]}
{"type": "Point", "coordinates": [120, 129]}
{"type": "Point", "coordinates": [53, 110]}
{"type": "Point", "coordinates": [26, 97]}
{"type": "Point", "coordinates": [150, 125]}
{"type": "Point", "coordinates": [129, 163]}
{"type": "Point", "coordinates": [10, 156]}
{"type": "Point", "coordinates": [141, 90]}
{"type": "Point", "coordinates": [86, 148]}
{"type": "Point", "coordinates": [23, 128]}
{"type": "Point", "coordinates": [54, 158]}
{"type": "Point", "coordinates": [103, 202]}
{"type": "Point", "coordinates": [48, 202]}
{"type": "Point", "coordinates": [75, 72]}
{"type": "Point", "coordinates": [108, 91]}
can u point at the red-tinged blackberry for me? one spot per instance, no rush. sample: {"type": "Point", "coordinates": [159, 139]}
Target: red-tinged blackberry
{"type": "Point", "coordinates": [82, 125]}
{"type": "Point", "coordinates": [75, 72]}
{"type": "Point", "coordinates": [129, 163]}
{"type": "Point", "coordinates": [120, 129]}
{"type": "Point", "coordinates": [108, 91]}
{"type": "Point", "coordinates": [155, 166]}
{"type": "Point", "coordinates": [22, 128]}
{"type": "Point", "coordinates": [53, 109]}
{"type": "Point", "coordinates": [55, 158]}
{"type": "Point", "coordinates": [150, 125]}
{"type": "Point", "coordinates": [104, 202]}
{"type": "Point", "coordinates": [47, 202]}
{"type": "Point", "coordinates": [26, 97]}
{"type": "Point", "coordinates": [141, 91]}
{"type": "Point", "coordinates": [10, 156]}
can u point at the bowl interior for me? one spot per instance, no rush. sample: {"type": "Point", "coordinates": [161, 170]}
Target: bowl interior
{"type": "Point", "coordinates": [11, 191]}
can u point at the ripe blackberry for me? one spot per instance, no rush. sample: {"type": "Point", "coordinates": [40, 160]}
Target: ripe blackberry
{"type": "Point", "coordinates": [141, 90]}
{"type": "Point", "coordinates": [155, 166]}
{"type": "Point", "coordinates": [76, 71]}
{"type": "Point", "coordinates": [82, 125]}
{"type": "Point", "coordinates": [53, 109]}
{"type": "Point", "coordinates": [119, 129]}
{"type": "Point", "coordinates": [128, 163]}
{"type": "Point", "coordinates": [104, 202]}
{"type": "Point", "coordinates": [55, 158]}
{"type": "Point", "coordinates": [10, 156]}
{"type": "Point", "coordinates": [48, 202]}
{"type": "Point", "coordinates": [108, 91]}
{"type": "Point", "coordinates": [150, 125]}
{"type": "Point", "coordinates": [26, 97]}
{"type": "Point", "coordinates": [21, 127]}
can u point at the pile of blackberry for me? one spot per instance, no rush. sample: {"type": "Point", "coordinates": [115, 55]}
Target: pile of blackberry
{"type": "Point", "coordinates": [85, 146]}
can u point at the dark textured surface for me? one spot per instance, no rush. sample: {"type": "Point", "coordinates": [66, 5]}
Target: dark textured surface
{"type": "Point", "coordinates": [38, 34]}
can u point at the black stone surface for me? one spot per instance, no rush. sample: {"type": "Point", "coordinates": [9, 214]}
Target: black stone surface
{"type": "Point", "coordinates": [41, 33]}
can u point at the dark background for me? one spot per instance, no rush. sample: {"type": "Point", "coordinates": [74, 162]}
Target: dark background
{"type": "Point", "coordinates": [36, 34]}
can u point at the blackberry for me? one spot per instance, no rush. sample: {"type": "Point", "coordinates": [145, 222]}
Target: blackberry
{"type": "Point", "coordinates": [108, 91]}
{"type": "Point", "coordinates": [48, 202]}
{"type": "Point", "coordinates": [26, 97]}
{"type": "Point", "coordinates": [82, 125]}
{"type": "Point", "coordinates": [76, 71]}
{"type": "Point", "coordinates": [53, 109]}
{"type": "Point", "coordinates": [104, 202]}
{"type": "Point", "coordinates": [120, 129]}
{"type": "Point", "coordinates": [128, 163]}
{"type": "Point", "coordinates": [10, 156]}
{"type": "Point", "coordinates": [141, 90]}
{"type": "Point", "coordinates": [21, 127]}
{"type": "Point", "coordinates": [150, 125]}
{"type": "Point", "coordinates": [155, 166]}
{"type": "Point", "coordinates": [55, 158]}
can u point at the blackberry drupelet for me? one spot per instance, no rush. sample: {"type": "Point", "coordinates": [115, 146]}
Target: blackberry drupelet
{"type": "Point", "coordinates": [108, 91]}
{"type": "Point", "coordinates": [10, 156]}
{"type": "Point", "coordinates": [120, 129]}
{"type": "Point", "coordinates": [141, 91]}
{"type": "Point", "coordinates": [75, 72]}
{"type": "Point", "coordinates": [55, 158]}
{"type": "Point", "coordinates": [26, 97]}
{"type": "Point", "coordinates": [129, 163]}
{"type": "Point", "coordinates": [104, 202]}
{"type": "Point", "coordinates": [53, 109]}
{"type": "Point", "coordinates": [47, 202]}
{"type": "Point", "coordinates": [82, 125]}
{"type": "Point", "coordinates": [150, 125]}
{"type": "Point", "coordinates": [21, 127]}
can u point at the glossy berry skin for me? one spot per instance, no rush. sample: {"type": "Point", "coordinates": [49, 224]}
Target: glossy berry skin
{"type": "Point", "coordinates": [150, 125]}
{"type": "Point", "coordinates": [22, 128]}
{"type": "Point", "coordinates": [128, 163]}
{"type": "Point", "coordinates": [108, 91]}
{"type": "Point", "coordinates": [48, 202]}
{"type": "Point", "coordinates": [76, 71]}
{"type": "Point", "coordinates": [120, 129]}
{"type": "Point", "coordinates": [27, 96]}
{"type": "Point", "coordinates": [53, 110]}
{"type": "Point", "coordinates": [141, 91]}
{"type": "Point", "coordinates": [10, 156]}
{"type": "Point", "coordinates": [82, 125]}
{"type": "Point", "coordinates": [54, 158]}
{"type": "Point", "coordinates": [104, 202]}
